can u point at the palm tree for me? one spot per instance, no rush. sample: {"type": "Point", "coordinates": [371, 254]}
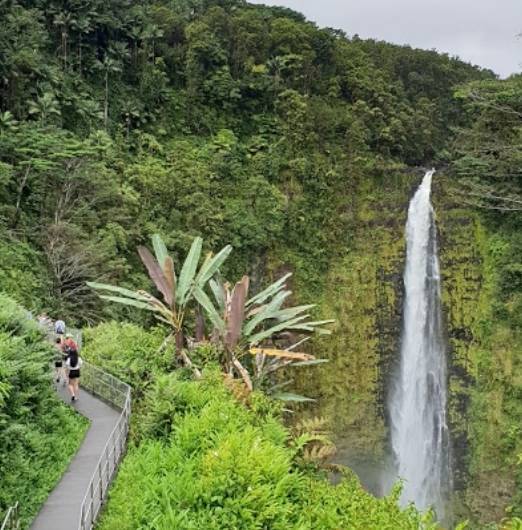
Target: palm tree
{"type": "Point", "coordinates": [88, 109]}
{"type": "Point", "coordinates": [109, 66]}
{"type": "Point", "coordinates": [64, 21]}
{"type": "Point", "coordinates": [82, 26]}
{"type": "Point", "coordinates": [111, 63]}
{"type": "Point", "coordinates": [177, 291]}
{"type": "Point", "coordinates": [45, 107]}
{"type": "Point", "coordinates": [151, 33]}
{"type": "Point", "coordinates": [7, 122]}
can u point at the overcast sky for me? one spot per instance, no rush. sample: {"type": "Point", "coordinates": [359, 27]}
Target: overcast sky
{"type": "Point", "coordinates": [482, 32]}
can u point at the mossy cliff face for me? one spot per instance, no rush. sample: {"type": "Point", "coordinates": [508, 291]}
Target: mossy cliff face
{"type": "Point", "coordinates": [363, 291]}
{"type": "Point", "coordinates": [485, 377]}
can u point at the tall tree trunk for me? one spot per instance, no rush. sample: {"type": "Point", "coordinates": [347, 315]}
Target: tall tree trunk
{"type": "Point", "coordinates": [21, 188]}
{"type": "Point", "coordinates": [80, 53]}
{"type": "Point", "coordinates": [106, 110]}
{"type": "Point", "coordinates": [179, 341]}
{"type": "Point", "coordinates": [200, 325]}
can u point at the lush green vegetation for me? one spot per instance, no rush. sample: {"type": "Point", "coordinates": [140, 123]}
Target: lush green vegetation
{"type": "Point", "coordinates": [483, 271]}
{"type": "Point", "coordinates": [38, 433]}
{"type": "Point", "coordinates": [249, 126]}
{"type": "Point", "coordinates": [200, 458]}
{"type": "Point", "coordinates": [255, 335]}
{"type": "Point", "coordinates": [245, 125]}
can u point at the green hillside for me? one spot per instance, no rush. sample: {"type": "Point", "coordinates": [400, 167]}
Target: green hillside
{"type": "Point", "coordinates": [300, 147]}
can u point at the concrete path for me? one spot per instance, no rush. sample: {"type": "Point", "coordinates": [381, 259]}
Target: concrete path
{"type": "Point", "coordinates": [61, 511]}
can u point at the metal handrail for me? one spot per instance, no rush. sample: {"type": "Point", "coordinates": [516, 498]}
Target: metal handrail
{"type": "Point", "coordinates": [117, 393]}
{"type": "Point", "coordinates": [11, 519]}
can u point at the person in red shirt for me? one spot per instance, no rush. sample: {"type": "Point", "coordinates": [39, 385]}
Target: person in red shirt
{"type": "Point", "coordinates": [69, 345]}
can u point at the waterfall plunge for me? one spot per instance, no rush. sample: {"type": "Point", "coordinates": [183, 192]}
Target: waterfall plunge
{"type": "Point", "coordinates": [419, 432]}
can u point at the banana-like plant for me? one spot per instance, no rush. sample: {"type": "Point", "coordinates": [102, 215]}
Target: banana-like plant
{"type": "Point", "coordinates": [244, 325]}
{"type": "Point", "coordinates": [178, 292]}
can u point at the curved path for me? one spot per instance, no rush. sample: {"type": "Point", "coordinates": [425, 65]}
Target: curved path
{"type": "Point", "coordinates": [62, 508]}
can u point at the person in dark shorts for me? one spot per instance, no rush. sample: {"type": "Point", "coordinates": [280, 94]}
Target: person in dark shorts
{"type": "Point", "coordinates": [59, 371]}
{"type": "Point", "coordinates": [73, 364]}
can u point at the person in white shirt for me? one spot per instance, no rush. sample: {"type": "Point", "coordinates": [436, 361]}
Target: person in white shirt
{"type": "Point", "coordinates": [73, 364]}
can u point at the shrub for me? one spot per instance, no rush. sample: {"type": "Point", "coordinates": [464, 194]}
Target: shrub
{"type": "Point", "coordinates": [129, 352]}
{"type": "Point", "coordinates": [38, 433]}
{"type": "Point", "coordinates": [206, 461]}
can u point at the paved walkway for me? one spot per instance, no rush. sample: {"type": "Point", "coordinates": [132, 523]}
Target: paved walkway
{"type": "Point", "coordinates": [61, 511]}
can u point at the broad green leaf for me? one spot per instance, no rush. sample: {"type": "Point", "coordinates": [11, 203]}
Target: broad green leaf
{"type": "Point", "coordinates": [218, 292]}
{"type": "Point", "coordinates": [321, 322]}
{"type": "Point", "coordinates": [269, 291]}
{"type": "Point", "coordinates": [265, 334]}
{"type": "Point", "coordinates": [160, 249]}
{"type": "Point", "coordinates": [188, 271]}
{"type": "Point", "coordinates": [128, 301]}
{"type": "Point", "coordinates": [206, 261]}
{"type": "Point", "coordinates": [118, 290]}
{"type": "Point", "coordinates": [314, 326]}
{"type": "Point", "coordinates": [266, 312]}
{"type": "Point", "coordinates": [287, 314]}
{"type": "Point", "coordinates": [207, 305]}
{"type": "Point", "coordinates": [210, 267]}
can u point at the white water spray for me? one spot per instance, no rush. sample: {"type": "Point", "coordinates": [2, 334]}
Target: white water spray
{"type": "Point", "coordinates": [419, 431]}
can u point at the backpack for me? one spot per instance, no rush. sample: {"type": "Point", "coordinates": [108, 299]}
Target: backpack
{"type": "Point", "coordinates": [59, 327]}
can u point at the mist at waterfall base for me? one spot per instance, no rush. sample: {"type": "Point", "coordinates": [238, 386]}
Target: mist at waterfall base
{"type": "Point", "coordinates": [417, 400]}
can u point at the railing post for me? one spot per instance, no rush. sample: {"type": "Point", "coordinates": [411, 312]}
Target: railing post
{"type": "Point", "coordinates": [82, 517]}
{"type": "Point", "coordinates": [108, 464]}
{"type": "Point", "coordinates": [100, 474]}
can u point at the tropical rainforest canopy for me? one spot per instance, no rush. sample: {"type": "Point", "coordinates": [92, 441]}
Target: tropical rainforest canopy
{"type": "Point", "coordinates": [298, 146]}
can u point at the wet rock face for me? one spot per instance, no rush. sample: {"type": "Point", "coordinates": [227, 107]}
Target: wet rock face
{"type": "Point", "coordinates": [461, 266]}
{"type": "Point", "coordinates": [364, 293]}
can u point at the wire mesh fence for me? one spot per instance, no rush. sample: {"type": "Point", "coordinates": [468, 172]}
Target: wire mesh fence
{"type": "Point", "coordinates": [117, 394]}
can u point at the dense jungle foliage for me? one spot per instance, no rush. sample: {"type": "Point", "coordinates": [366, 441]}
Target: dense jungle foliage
{"type": "Point", "coordinates": [205, 454]}
{"type": "Point", "coordinates": [251, 126]}
{"type": "Point", "coordinates": [38, 433]}
{"type": "Point", "coordinates": [245, 125]}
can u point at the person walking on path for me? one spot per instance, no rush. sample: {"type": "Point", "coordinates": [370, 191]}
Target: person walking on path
{"type": "Point", "coordinates": [74, 363]}
{"type": "Point", "coordinates": [59, 370]}
{"type": "Point", "coordinates": [59, 327]}
{"type": "Point", "coordinates": [69, 345]}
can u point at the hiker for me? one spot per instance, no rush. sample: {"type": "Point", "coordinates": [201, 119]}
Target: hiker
{"type": "Point", "coordinates": [59, 327]}
{"type": "Point", "coordinates": [74, 363]}
{"type": "Point", "coordinates": [59, 370]}
{"type": "Point", "coordinates": [44, 320]}
{"type": "Point", "coordinates": [46, 324]}
{"type": "Point", "coordinates": [69, 344]}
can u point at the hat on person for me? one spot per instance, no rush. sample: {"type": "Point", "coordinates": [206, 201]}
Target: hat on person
{"type": "Point", "coordinates": [68, 336]}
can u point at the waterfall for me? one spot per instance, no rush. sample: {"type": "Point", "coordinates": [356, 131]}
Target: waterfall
{"type": "Point", "coordinates": [417, 406]}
